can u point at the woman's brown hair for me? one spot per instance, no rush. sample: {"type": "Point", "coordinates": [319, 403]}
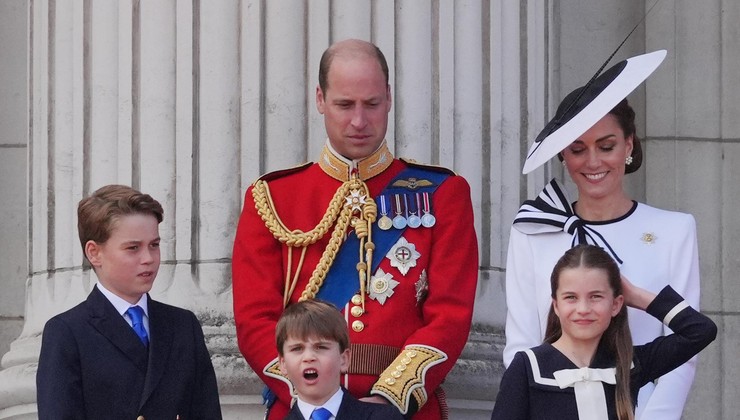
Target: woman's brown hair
{"type": "Point", "coordinates": [625, 116]}
{"type": "Point", "coordinates": [617, 339]}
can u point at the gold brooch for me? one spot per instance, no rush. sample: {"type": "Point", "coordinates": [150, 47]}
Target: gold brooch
{"type": "Point", "coordinates": [648, 238]}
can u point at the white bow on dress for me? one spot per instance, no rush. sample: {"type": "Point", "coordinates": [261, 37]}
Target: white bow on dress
{"type": "Point", "coordinates": [590, 398]}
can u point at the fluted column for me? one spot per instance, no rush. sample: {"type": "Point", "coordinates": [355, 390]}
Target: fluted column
{"type": "Point", "coordinates": [190, 101]}
{"type": "Point", "coordinates": [693, 152]}
{"type": "Point", "coordinates": [139, 93]}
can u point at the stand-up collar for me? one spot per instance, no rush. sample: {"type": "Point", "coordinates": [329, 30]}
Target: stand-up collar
{"type": "Point", "coordinates": [341, 168]}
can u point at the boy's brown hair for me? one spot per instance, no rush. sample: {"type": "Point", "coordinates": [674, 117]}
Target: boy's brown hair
{"type": "Point", "coordinates": [98, 213]}
{"type": "Point", "coordinates": [312, 318]}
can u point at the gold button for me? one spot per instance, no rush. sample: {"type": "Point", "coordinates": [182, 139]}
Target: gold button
{"type": "Point", "coordinates": [405, 360]}
{"type": "Point", "coordinates": [356, 299]}
{"type": "Point", "coordinates": [140, 418]}
{"type": "Point", "coordinates": [396, 374]}
{"type": "Point", "coordinates": [411, 353]}
{"type": "Point", "coordinates": [356, 311]}
{"type": "Point", "coordinates": [390, 381]}
{"type": "Point", "coordinates": [401, 367]}
{"type": "Point", "coordinates": [358, 326]}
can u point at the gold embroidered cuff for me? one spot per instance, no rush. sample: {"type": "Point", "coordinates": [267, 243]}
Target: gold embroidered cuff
{"type": "Point", "coordinates": [404, 378]}
{"type": "Point", "coordinates": [272, 370]}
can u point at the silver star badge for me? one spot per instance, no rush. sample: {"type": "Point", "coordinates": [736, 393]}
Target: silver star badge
{"type": "Point", "coordinates": [354, 200]}
{"type": "Point", "coordinates": [403, 255]}
{"type": "Point", "coordinates": [381, 286]}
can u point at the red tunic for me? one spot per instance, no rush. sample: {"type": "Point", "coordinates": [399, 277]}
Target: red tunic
{"type": "Point", "coordinates": [440, 321]}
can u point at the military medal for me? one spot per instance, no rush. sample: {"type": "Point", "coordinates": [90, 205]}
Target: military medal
{"type": "Point", "coordinates": [384, 222]}
{"type": "Point", "coordinates": [381, 286]}
{"type": "Point", "coordinates": [427, 220]}
{"type": "Point", "coordinates": [414, 220]}
{"type": "Point", "coordinates": [399, 222]}
{"type": "Point", "coordinates": [403, 255]}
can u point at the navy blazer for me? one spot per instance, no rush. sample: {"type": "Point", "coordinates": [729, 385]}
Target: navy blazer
{"type": "Point", "coordinates": [354, 409]}
{"type": "Point", "coordinates": [93, 365]}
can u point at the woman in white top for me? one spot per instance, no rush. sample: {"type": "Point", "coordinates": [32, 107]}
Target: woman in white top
{"type": "Point", "coordinates": [593, 133]}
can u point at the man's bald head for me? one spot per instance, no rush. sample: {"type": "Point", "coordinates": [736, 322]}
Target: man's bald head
{"type": "Point", "coordinates": [348, 49]}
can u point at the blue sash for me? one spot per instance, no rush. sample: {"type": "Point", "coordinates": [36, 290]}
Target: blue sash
{"type": "Point", "coordinates": [341, 283]}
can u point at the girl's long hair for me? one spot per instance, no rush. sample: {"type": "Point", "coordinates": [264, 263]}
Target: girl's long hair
{"type": "Point", "coordinates": [617, 339]}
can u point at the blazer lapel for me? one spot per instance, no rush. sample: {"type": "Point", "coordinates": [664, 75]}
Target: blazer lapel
{"type": "Point", "coordinates": [347, 408]}
{"type": "Point", "coordinates": [110, 324]}
{"type": "Point", "coordinates": [295, 413]}
{"type": "Point", "coordinates": [160, 344]}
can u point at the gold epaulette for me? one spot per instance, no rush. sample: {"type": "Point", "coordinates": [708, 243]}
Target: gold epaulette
{"type": "Point", "coordinates": [282, 172]}
{"type": "Point", "coordinates": [272, 370]}
{"type": "Point", "coordinates": [404, 379]}
{"type": "Point", "coordinates": [435, 168]}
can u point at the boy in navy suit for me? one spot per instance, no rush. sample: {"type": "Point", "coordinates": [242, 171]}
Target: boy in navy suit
{"type": "Point", "coordinates": [313, 347]}
{"type": "Point", "coordinates": [120, 354]}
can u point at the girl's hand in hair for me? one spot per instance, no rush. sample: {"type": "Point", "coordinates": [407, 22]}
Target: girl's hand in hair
{"type": "Point", "coordinates": [636, 297]}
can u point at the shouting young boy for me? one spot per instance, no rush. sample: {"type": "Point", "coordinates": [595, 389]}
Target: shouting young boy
{"type": "Point", "coordinates": [313, 347]}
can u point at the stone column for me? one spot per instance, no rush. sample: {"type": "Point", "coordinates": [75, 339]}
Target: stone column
{"type": "Point", "coordinates": [139, 93]}
{"type": "Point", "coordinates": [693, 147]}
{"type": "Point", "coordinates": [13, 168]}
{"type": "Point", "coordinates": [190, 101]}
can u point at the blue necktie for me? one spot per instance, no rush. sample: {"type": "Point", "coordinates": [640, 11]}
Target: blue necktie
{"type": "Point", "coordinates": [137, 319]}
{"type": "Point", "coordinates": [321, 413]}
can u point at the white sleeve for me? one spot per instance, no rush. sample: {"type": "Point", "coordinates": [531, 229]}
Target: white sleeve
{"type": "Point", "coordinates": [672, 390]}
{"type": "Point", "coordinates": [522, 319]}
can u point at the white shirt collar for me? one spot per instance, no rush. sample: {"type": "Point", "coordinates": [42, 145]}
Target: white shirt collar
{"type": "Point", "coordinates": [120, 304]}
{"type": "Point", "coordinates": [332, 404]}
{"type": "Point", "coordinates": [352, 163]}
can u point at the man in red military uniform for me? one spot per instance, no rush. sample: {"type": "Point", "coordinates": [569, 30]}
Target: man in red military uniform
{"type": "Point", "coordinates": [388, 241]}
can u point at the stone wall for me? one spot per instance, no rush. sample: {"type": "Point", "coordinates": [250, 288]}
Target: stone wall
{"type": "Point", "coordinates": [13, 168]}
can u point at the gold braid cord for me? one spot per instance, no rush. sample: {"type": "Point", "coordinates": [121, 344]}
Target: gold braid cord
{"type": "Point", "coordinates": [351, 204]}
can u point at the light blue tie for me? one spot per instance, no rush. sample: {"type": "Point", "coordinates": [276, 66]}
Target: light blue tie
{"type": "Point", "coordinates": [321, 413]}
{"type": "Point", "coordinates": [137, 319]}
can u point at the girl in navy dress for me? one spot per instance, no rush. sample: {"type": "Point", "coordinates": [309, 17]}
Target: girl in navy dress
{"type": "Point", "coordinates": [587, 367]}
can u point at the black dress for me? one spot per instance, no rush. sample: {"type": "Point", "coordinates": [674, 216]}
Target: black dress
{"type": "Point", "coordinates": [529, 389]}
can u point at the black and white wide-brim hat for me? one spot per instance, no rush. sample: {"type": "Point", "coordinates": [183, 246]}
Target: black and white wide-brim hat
{"type": "Point", "coordinates": [585, 106]}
